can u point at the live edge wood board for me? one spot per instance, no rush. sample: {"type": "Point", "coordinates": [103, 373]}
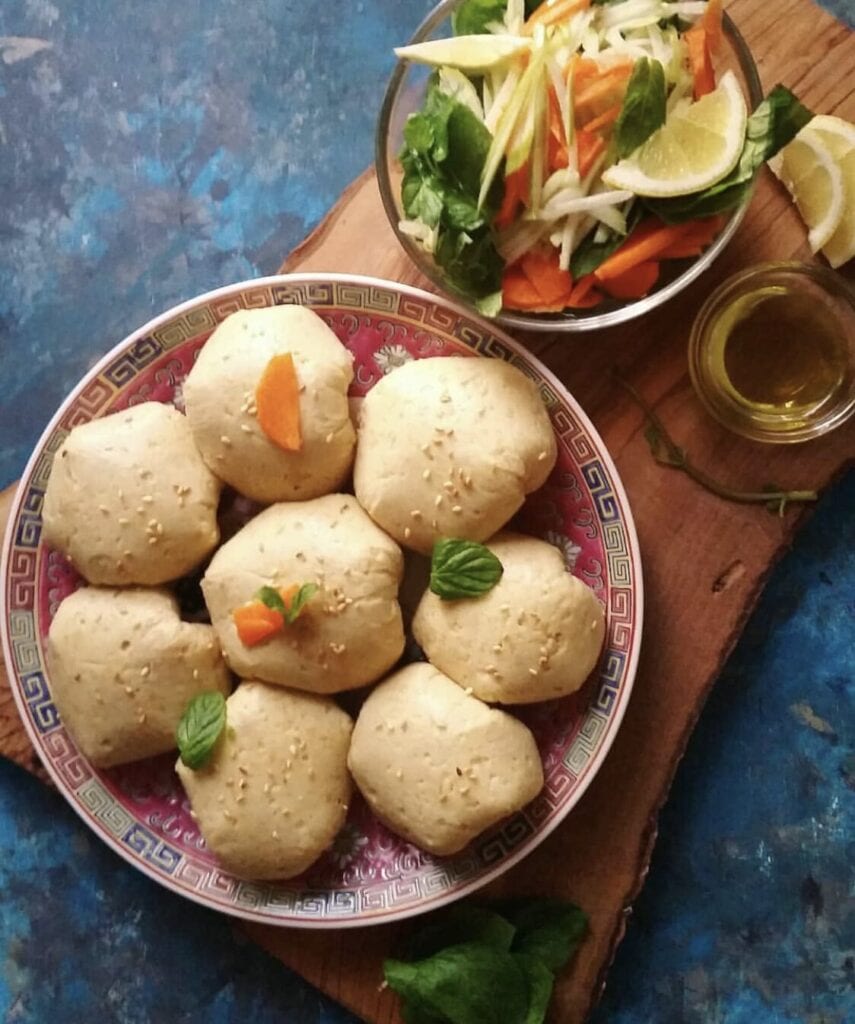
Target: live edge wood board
{"type": "Point", "coordinates": [705, 560]}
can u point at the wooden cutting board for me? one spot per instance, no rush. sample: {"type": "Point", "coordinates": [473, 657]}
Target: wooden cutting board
{"type": "Point", "coordinates": [705, 561]}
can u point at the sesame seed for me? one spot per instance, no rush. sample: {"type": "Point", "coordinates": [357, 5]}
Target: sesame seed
{"type": "Point", "coordinates": [416, 513]}
{"type": "Point", "coordinates": [123, 521]}
{"type": "Point", "coordinates": [246, 428]}
{"type": "Point", "coordinates": [159, 529]}
{"type": "Point", "coordinates": [153, 540]}
{"type": "Point", "coordinates": [445, 397]}
{"type": "Point", "coordinates": [225, 440]}
{"type": "Point", "coordinates": [543, 661]}
{"type": "Point", "coordinates": [541, 456]}
{"type": "Point", "coordinates": [426, 474]}
{"type": "Point", "coordinates": [468, 691]}
{"type": "Point", "coordinates": [449, 486]}
{"type": "Point", "coordinates": [456, 508]}
{"type": "Point", "coordinates": [437, 500]}
{"type": "Point", "coordinates": [532, 671]}
{"type": "Point", "coordinates": [144, 671]}
{"type": "Point", "coordinates": [330, 437]}
{"type": "Point", "coordinates": [120, 493]}
{"type": "Point", "coordinates": [426, 449]}
{"type": "Point", "coordinates": [129, 690]}
{"type": "Point", "coordinates": [274, 834]}
{"type": "Point", "coordinates": [140, 510]}
{"type": "Point", "coordinates": [434, 524]}
{"type": "Point", "coordinates": [103, 508]}
{"type": "Point", "coordinates": [141, 718]}
{"type": "Point", "coordinates": [491, 669]}
{"type": "Point", "coordinates": [407, 533]}
{"type": "Point", "coordinates": [127, 553]}
{"type": "Point", "coordinates": [497, 648]}
{"type": "Point", "coordinates": [195, 673]}
{"type": "Point", "coordinates": [147, 499]}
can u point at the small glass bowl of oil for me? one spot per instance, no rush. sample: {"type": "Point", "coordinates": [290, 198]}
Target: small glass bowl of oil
{"type": "Point", "coordinates": [772, 352]}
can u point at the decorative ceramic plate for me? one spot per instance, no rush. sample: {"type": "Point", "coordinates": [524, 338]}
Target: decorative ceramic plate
{"type": "Point", "coordinates": [369, 875]}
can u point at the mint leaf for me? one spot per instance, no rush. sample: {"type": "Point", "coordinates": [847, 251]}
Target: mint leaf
{"type": "Point", "coordinates": [461, 923]}
{"type": "Point", "coordinates": [299, 601]}
{"type": "Point", "coordinates": [203, 720]}
{"type": "Point", "coordinates": [643, 109]}
{"type": "Point", "coordinates": [471, 983]}
{"type": "Point", "coordinates": [775, 123]}
{"type": "Point", "coordinates": [462, 568]}
{"type": "Point", "coordinates": [473, 16]}
{"type": "Point", "coordinates": [471, 262]}
{"type": "Point", "coordinates": [273, 599]}
{"type": "Point", "coordinates": [548, 930]}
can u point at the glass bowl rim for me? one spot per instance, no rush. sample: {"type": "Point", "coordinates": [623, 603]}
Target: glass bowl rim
{"type": "Point", "coordinates": [562, 323]}
{"type": "Point", "coordinates": [711, 397]}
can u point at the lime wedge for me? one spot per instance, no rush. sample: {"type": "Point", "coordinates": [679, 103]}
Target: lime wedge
{"type": "Point", "coordinates": [815, 181]}
{"type": "Point", "coordinates": [698, 145]}
{"type": "Point", "coordinates": [467, 53]}
{"type": "Point", "coordinates": [839, 137]}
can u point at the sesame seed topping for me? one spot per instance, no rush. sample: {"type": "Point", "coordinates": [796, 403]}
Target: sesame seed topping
{"type": "Point", "coordinates": [330, 437]}
{"type": "Point", "coordinates": [103, 508]}
{"type": "Point", "coordinates": [468, 691]}
{"type": "Point", "coordinates": [457, 508]}
{"type": "Point", "coordinates": [407, 533]}
{"type": "Point", "coordinates": [246, 428]}
{"type": "Point", "coordinates": [123, 521]}
{"type": "Point", "coordinates": [532, 671]}
{"type": "Point", "coordinates": [445, 397]}
{"type": "Point", "coordinates": [144, 671]}
{"type": "Point", "coordinates": [426, 474]}
{"type": "Point", "coordinates": [141, 718]}
{"type": "Point", "coordinates": [541, 456]}
{"type": "Point", "coordinates": [416, 513]}
{"type": "Point", "coordinates": [274, 834]}
{"type": "Point", "coordinates": [195, 673]}
{"type": "Point", "coordinates": [437, 500]}
{"type": "Point", "coordinates": [449, 486]}
{"type": "Point", "coordinates": [129, 690]}
{"type": "Point", "coordinates": [147, 499]}
{"type": "Point", "coordinates": [153, 540]}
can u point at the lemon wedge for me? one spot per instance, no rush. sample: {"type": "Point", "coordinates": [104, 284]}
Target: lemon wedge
{"type": "Point", "coordinates": [698, 145]}
{"type": "Point", "coordinates": [839, 137]}
{"type": "Point", "coordinates": [808, 169]}
{"type": "Point", "coordinates": [467, 53]}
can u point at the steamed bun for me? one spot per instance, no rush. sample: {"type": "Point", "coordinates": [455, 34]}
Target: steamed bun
{"type": "Point", "coordinates": [129, 499]}
{"type": "Point", "coordinates": [274, 792]}
{"type": "Point", "coordinates": [450, 447]}
{"type": "Point", "coordinates": [219, 396]}
{"type": "Point", "coordinates": [351, 631]}
{"type": "Point", "coordinates": [536, 635]}
{"type": "Point", "coordinates": [438, 766]}
{"type": "Point", "coordinates": [123, 666]}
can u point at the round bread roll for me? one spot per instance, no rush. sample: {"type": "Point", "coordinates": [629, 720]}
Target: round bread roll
{"type": "Point", "coordinates": [436, 765]}
{"type": "Point", "coordinates": [450, 447]}
{"type": "Point", "coordinates": [123, 666]}
{"type": "Point", "coordinates": [219, 396]}
{"type": "Point", "coordinates": [535, 636]}
{"type": "Point", "coordinates": [129, 499]}
{"type": "Point", "coordinates": [350, 632]}
{"type": "Point", "coordinates": [275, 790]}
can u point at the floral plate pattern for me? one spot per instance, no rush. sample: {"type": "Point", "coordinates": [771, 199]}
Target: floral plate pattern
{"type": "Point", "coordinates": [369, 875]}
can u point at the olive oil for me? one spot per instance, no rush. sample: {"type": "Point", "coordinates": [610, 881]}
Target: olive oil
{"type": "Point", "coordinates": [779, 352]}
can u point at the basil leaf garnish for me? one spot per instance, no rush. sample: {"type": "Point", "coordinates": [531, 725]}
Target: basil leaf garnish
{"type": "Point", "coordinates": [203, 720]}
{"type": "Point", "coordinates": [295, 606]}
{"type": "Point", "coordinates": [273, 599]}
{"type": "Point", "coordinates": [462, 568]}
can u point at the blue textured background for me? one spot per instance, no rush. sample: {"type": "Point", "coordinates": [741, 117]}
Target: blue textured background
{"type": "Point", "coordinates": [150, 151]}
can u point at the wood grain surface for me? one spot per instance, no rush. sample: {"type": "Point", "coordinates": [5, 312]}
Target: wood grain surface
{"type": "Point", "coordinates": [705, 560]}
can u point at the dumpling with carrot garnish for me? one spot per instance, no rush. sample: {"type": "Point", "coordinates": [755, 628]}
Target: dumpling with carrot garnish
{"type": "Point", "coordinates": [267, 403]}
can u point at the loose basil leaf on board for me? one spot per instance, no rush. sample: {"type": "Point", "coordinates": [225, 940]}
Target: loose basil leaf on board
{"type": "Point", "coordinates": [472, 17]}
{"type": "Point", "coordinates": [548, 930]}
{"type": "Point", "coordinates": [466, 984]}
{"type": "Point", "coordinates": [462, 568]}
{"type": "Point", "coordinates": [643, 109]}
{"type": "Point", "coordinates": [775, 122]}
{"type": "Point", "coordinates": [273, 599]}
{"type": "Point", "coordinates": [463, 923]}
{"type": "Point", "coordinates": [299, 601]}
{"type": "Point", "coordinates": [203, 720]}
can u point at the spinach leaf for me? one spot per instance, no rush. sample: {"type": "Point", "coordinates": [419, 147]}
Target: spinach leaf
{"type": "Point", "coordinates": [471, 261]}
{"type": "Point", "coordinates": [473, 16]}
{"type": "Point", "coordinates": [778, 119]}
{"type": "Point", "coordinates": [471, 983]}
{"type": "Point", "coordinates": [548, 930]}
{"type": "Point", "coordinates": [589, 254]}
{"type": "Point", "coordinates": [643, 109]}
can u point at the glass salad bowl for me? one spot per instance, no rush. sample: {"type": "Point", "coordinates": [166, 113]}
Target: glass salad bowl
{"type": "Point", "coordinates": [405, 95]}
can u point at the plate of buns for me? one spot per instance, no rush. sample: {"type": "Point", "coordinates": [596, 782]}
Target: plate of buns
{"type": "Point", "coordinates": [322, 600]}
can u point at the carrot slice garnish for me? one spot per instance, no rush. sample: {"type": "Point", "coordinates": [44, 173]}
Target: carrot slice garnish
{"type": "Point", "coordinates": [584, 294]}
{"type": "Point", "coordinates": [545, 276]}
{"type": "Point", "coordinates": [277, 400]}
{"type": "Point", "coordinates": [255, 622]}
{"type": "Point", "coordinates": [649, 239]}
{"type": "Point", "coordinates": [700, 59]}
{"type": "Point", "coordinates": [516, 192]}
{"type": "Point", "coordinates": [589, 147]}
